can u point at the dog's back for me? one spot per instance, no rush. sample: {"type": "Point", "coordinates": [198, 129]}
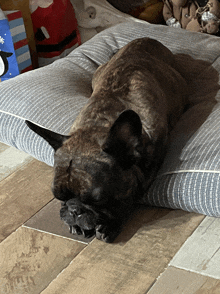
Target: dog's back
{"type": "Point", "coordinates": [141, 76]}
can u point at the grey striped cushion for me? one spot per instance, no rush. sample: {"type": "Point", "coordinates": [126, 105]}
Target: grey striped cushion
{"type": "Point", "coordinates": [190, 176]}
{"type": "Point", "coordinates": [53, 96]}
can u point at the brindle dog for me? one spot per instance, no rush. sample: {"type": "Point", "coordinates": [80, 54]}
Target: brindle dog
{"type": "Point", "coordinates": [116, 144]}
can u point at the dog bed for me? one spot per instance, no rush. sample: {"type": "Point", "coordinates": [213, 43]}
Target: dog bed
{"type": "Point", "coordinates": [54, 95]}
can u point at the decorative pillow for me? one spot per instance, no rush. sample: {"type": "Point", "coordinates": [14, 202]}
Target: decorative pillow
{"type": "Point", "coordinates": [8, 62]}
{"type": "Point", "coordinates": [54, 95]}
{"type": "Point", "coordinates": [15, 54]}
{"type": "Point", "coordinates": [19, 39]}
{"type": "Point", "coordinates": [23, 7]}
{"type": "Point", "coordinates": [55, 29]}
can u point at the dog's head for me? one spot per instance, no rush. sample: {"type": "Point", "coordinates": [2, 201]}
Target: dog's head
{"type": "Point", "coordinates": [96, 182]}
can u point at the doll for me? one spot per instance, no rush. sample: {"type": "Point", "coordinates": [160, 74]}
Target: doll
{"type": "Point", "coordinates": [187, 14]}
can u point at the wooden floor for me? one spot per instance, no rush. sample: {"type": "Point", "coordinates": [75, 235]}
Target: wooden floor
{"type": "Point", "coordinates": [159, 251]}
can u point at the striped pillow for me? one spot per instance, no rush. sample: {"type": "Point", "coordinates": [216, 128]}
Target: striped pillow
{"type": "Point", "coordinates": [20, 41]}
{"type": "Point", "coordinates": [54, 95]}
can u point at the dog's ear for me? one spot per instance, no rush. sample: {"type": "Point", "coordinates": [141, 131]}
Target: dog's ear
{"type": "Point", "coordinates": [55, 140]}
{"type": "Point", "coordinates": [124, 139]}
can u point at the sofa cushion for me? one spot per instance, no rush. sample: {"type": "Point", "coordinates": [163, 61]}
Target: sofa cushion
{"type": "Point", "coordinates": [54, 95]}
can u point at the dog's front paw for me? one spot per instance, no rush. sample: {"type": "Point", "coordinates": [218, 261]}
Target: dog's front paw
{"type": "Point", "coordinates": [106, 233]}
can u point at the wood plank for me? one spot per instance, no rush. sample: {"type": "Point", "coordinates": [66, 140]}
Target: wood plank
{"type": "Point", "coordinates": [30, 260]}
{"type": "Point", "coordinates": [3, 147]}
{"type": "Point", "coordinates": [22, 194]}
{"type": "Point", "coordinates": [201, 252]}
{"type": "Point", "coordinates": [178, 281]}
{"type": "Point", "coordinates": [11, 159]}
{"type": "Point", "coordinates": [133, 261]}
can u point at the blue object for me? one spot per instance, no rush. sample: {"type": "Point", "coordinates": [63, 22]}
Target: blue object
{"type": "Point", "coordinates": [8, 62]}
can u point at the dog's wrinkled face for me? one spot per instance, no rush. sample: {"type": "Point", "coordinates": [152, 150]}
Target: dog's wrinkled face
{"type": "Point", "coordinates": [97, 188]}
{"type": "Point", "coordinates": [96, 192]}
{"type": "Point", "coordinates": [85, 185]}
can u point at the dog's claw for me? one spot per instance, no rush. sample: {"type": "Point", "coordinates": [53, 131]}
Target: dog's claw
{"type": "Point", "coordinates": [72, 230]}
{"type": "Point", "coordinates": [102, 234]}
{"type": "Point", "coordinates": [107, 233]}
{"type": "Point", "coordinates": [75, 230]}
{"type": "Point", "coordinates": [99, 235]}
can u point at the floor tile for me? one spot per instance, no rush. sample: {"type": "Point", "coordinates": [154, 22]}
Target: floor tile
{"type": "Point", "coordinates": [30, 260]}
{"type": "Point", "coordinates": [178, 281]}
{"type": "Point", "coordinates": [48, 220]}
{"type": "Point", "coordinates": [11, 159]}
{"type": "Point", "coordinates": [22, 194]}
{"type": "Point", "coordinates": [133, 262]}
{"type": "Point", "coordinates": [201, 252]}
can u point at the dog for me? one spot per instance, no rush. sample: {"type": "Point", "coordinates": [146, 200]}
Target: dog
{"type": "Point", "coordinates": [103, 169]}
